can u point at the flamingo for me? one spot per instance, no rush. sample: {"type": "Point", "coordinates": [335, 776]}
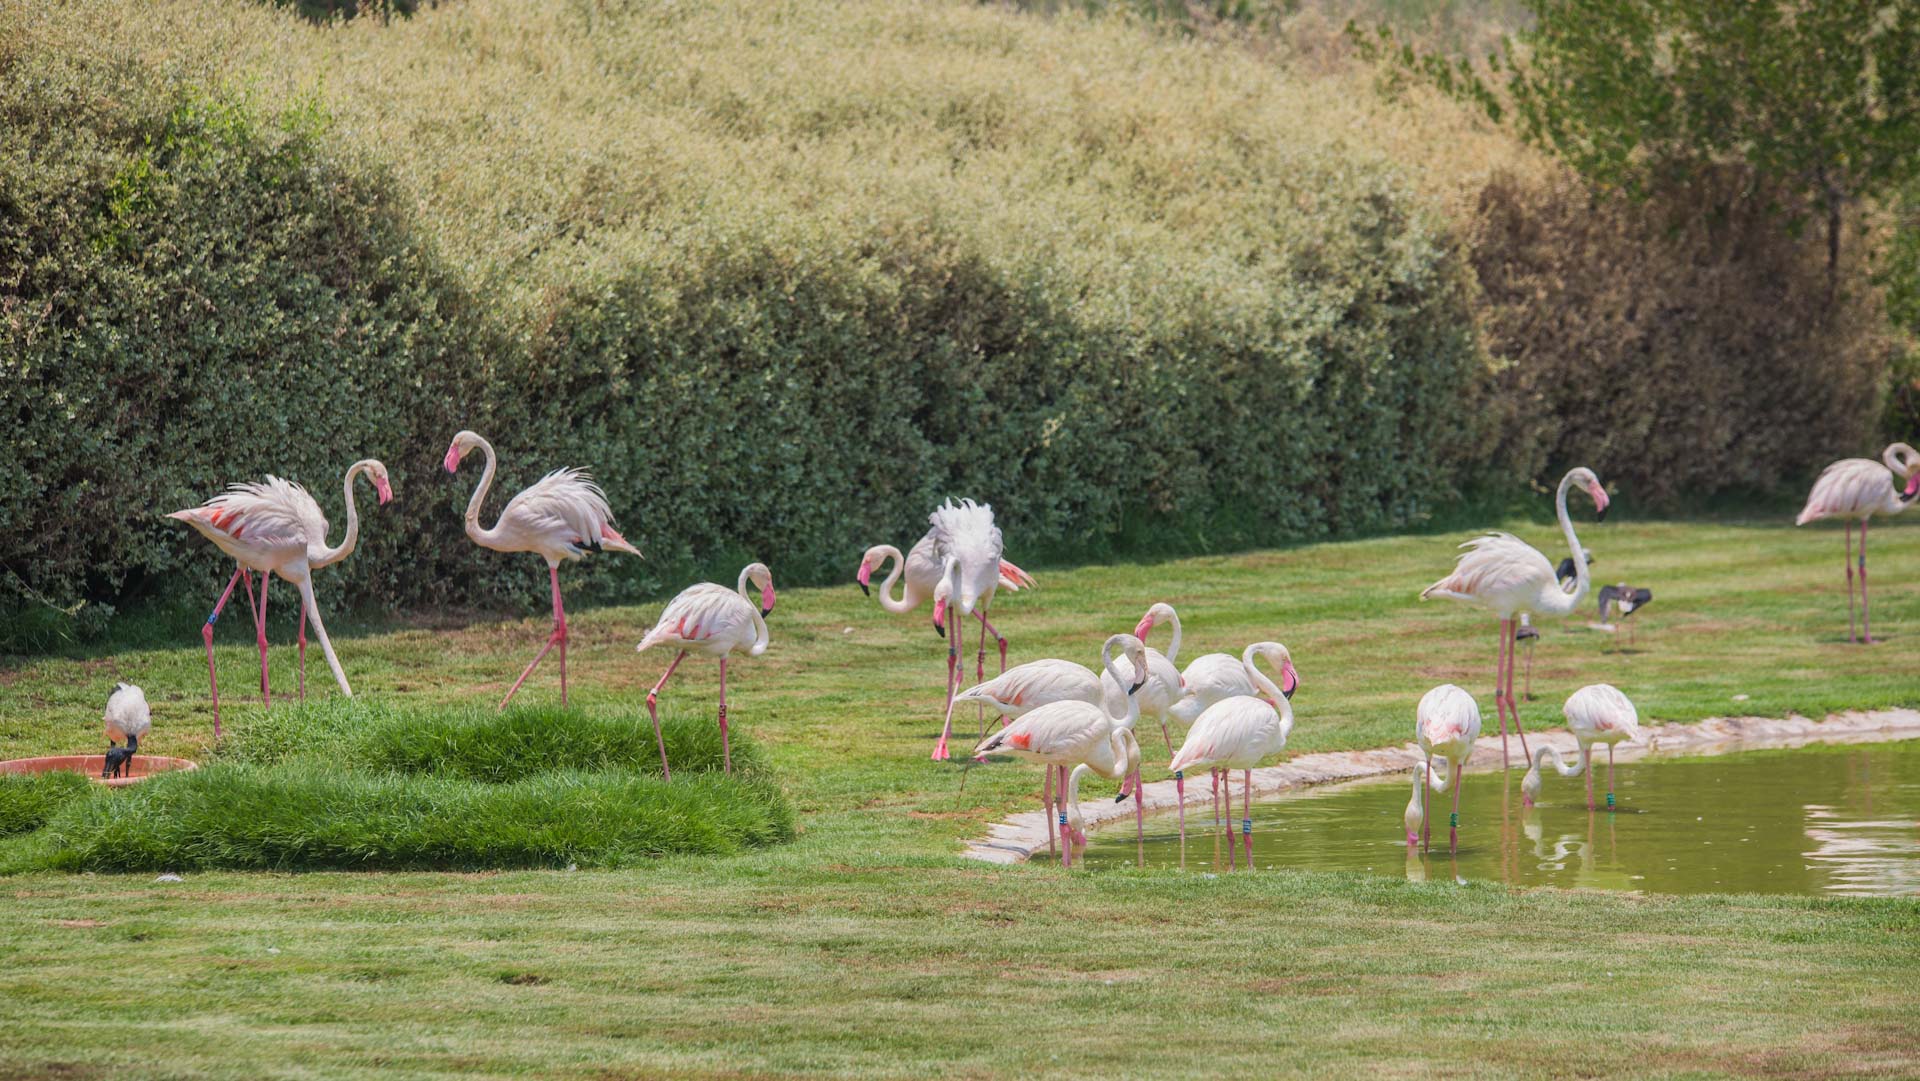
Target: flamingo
{"type": "Point", "coordinates": [275, 527]}
{"type": "Point", "coordinates": [1860, 488]}
{"type": "Point", "coordinates": [1236, 733]}
{"type": "Point", "coordinates": [1066, 734]}
{"type": "Point", "coordinates": [1164, 685]}
{"type": "Point", "coordinates": [1076, 824]}
{"type": "Point", "coordinates": [967, 546]}
{"type": "Point", "coordinates": [563, 515]}
{"type": "Point", "coordinates": [1446, 722]}
{"type": "Point", "coordinates": [1510, 577]}
{"type": "Point", "coordinates": [714, 620]}
{"type": "Point", "coordinates": [1416, 817]}
{"type": "Point", "coordinates": [1596, 713]}
{"type": "Point", "coordinates": [127, 718]}
{"type": "Point", "coordinates": [1215, 677]}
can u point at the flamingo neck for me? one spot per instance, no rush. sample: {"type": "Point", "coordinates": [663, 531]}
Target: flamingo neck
{"type": "Point", "coordinates": [323, 556]}
{"type": "Point", "coordinates": [1555, 600]}
{"type": "Point", "coordinates": [761, 636]}
{"type": "Point", "coordinates": [1260, 681]}
{"type": "Point", "coordinates": [1173, 647]}
{"type": "Point", "coordinates": [910, 598]}
{"type": "Point", "coordinates": [480, 535]}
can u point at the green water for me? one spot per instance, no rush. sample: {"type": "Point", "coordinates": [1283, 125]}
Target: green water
{"type": "Point", "coordinates": [1811, 820]}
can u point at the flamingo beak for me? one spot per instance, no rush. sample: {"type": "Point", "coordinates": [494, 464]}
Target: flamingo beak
{"type": "Point", "coordinates": [1289, 680]}
{"type": "Point", "coordinates": [452, 460]}
{"type": "Point", "coordinates": [766, 602]}
{"type": "Point", "coordinates": [385, 488]}
{"type": "Point", "coordinates": [940, 618]}
{"type": "Point", "coordinates": [1140, 629]}
{"type": "Point", "coordinates": [1136, 687]}
{"type": "Point", "coordinates": [866, 574]}
{"type": "Point", "coordinates": [1913, 484]}
{"type": "Point", "coordinates": [1600, 502]}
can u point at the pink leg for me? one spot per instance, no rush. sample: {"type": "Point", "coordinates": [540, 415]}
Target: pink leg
{"type": "Point", "coordinates": [558, 637]}
{"type": "Point", "coordinates": [1180, 788]}
{"type": "Point", "coordinates": [259, 612]}
{"type": "Point", "coordinates": [1500, 690]}
{"type": "Point", "coordinates": [1513, 704]}
{"type": "Point", "coordinates": [1453, 823]}
{"type": "Point", "coordinates": [726, 748]}
{"type": "Point", "coordinates": [1609, 776]}
{"type": "Point", "coordinates": [1851, 635]}
{"type": "Point", "coordinates": [206, 636]}
{"type": "Point", "coordinates": [946, 726]}
{"type": "Point", "coordinates": [1866, 607]}
{"type": "Point", "coordinates": [1046, 804]}
{"type": "Point", "coordinates": [987, 627]}
{"type": "Point", "coordinates": [1246, 820]}
{"type": "Point", "coordinates": [981, 677]}
{"type": "Point", "coordinates": [1226, 782]}
{"type": "Point", "coordinates": [1586, 767]}
{"type": "Point", "coordinates": [303, 651]}
{"type": "Point", "coordinates": [1066, 841]}
{"type": "Point", "coordinates": [1139, 820]}
{"type": "Point", "coordinates": [1426, 805]}
{"type": "Point", "coordinates": [653, 697]}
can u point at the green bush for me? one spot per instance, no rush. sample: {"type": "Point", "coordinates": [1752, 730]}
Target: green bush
{"type": "Point", "coordinates": [309, 815]}
{"type": "Point", "coordinates": [27, 800]}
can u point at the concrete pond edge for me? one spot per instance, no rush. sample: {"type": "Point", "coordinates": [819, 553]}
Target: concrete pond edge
{"type": "Point", "coordinates": [1018, 838]}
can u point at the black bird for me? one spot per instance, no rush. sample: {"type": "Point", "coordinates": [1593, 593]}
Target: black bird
{"type": "Point", "coordinates": [127, 717]}
{"type": "Point", "coordinates": [1625, 600]}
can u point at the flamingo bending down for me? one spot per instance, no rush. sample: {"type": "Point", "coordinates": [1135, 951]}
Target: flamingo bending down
{"type": "Point", "coordinates": [1127, 769]}
{"type": "Point", "coordinates": [1596, 713]}
{"type": "Point", "coordinates": [714, 620]}
{"type": "Point", "coordinates": [1506, 575]}
{"type": "Point", "coordinates": [1236, 733]}
{"type": "Point", "coordinates": [563, 515]}
{"type": "Point", "coordinates": [1445, 724]}
{"type": "Point", "coordinates": [1416, 817]}
{"type": "Point", "coordinates": [127, 718]}
{"type": "Point", "coordinates": [1860, 488]}
{"type": "Point", "coordinates": [968, 547]}
{"type": "Point", "coordinates": [1066, 734]}
{"type": "Point", "coordinates": [1164, 684]}
{"type": "Point", "coordinates": [275, 527]}
{"type": "Point", "coordinates": [1530, 784]}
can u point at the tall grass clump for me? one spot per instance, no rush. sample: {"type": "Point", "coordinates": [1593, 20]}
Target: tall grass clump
{"type": "Point", "coordinates": [307, 816]}
{"type": "Point", "coordinates": [28, 800]}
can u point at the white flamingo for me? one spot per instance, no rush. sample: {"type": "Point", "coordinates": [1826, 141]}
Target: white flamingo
{"type": "Point", "coordinates": [1164, 686]}
{"type": "Point", "coordinates": [1445, 724]}
{"type": "Point", "coordinates": [1424, 779]}
{"type": "Point", "coordinates": [969, 549]}
{"type": "Point", "coordinates": [1236, 733]}
{"type": "Point", "coordinates": [1026, 687]}
{"type": "Point", "coordinates": [275, 527]}
{"type": "Point", "coordinates": [716, 621]}
{"type": "Point", "coordinates": [319, 553]}
{"type": "Point", "coordinates": [1216, 677]}
{"type": "Point", "coordinates": [563, 515]}
{"type": "Point", "coordinates": [1596, 713]}
{"type": "Point", "coordinates": [1509, 577]}
{"type": "Point", "coordinates": [1861, 488]}
{"type": "Point", "coordinates": [127, 718]}
{"type": "Point", "coordinates": [1067, 734]}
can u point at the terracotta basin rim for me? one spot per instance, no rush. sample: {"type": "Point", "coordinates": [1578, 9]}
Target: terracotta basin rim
{"type": "Point", "coordinates": [143, 766]}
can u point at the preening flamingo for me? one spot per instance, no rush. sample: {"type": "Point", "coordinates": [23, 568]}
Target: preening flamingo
{"type": "Point", "coordinates": [1416, 817]}
{"type": "Point", "coordinates": [1445, 724]}
{"type": "Point", "coordinates": [1164, 686]}
{"type": "Point", "coordinates": [1236, 733]}
{"type": "Point", "coordinates": [716, 621]}
{"type": "Point", "coordinates": [1861, 488]}
{"type": "Point", "coordinates": [968, 547]}
{"type": "Point", "coordinates": [1509, 577]}
{"type": "Point", "coordinates": [1067, 734]}
{"type": "Point", "coordinates": [1127, 769]}
{"type": "Point", "coordinates": [1026, 687]}
{"type": "Point", "coordinates": [275, 527]}
{"type": "Point", "coordinates": [127, 718]}
{"type": "Point", "coordinates": [563, 515]}
{"type": "Point", "coordinates": [1596, 713]}
{"type": "Point", "coordinates": [1216, 677]}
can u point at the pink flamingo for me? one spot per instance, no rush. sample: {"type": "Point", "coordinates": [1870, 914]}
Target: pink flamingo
{"type": "Point", "coordinates": [1445, 724]}
{"type": "Point", "coordinates": [1164, 685]}
{"type": "Point", "coordinates": [1860, 488]}
{"type": "Point", "coordinates": [276, 527]}
{"type": "Point", "coordinates": [1066, 734]}
{"type": "Point", "coordinates": [714, 620]}
{"type": "Point", "coordinates": [1596, 713]}
{"type": "Point", "coordinates": [1216, 677]}
{"type": "Point", "coordinates": [1510, 577]}
{"type": "Point", "coordinates": [563, 515]}
{"type": "Point", "coordinates": [969, 549]}
{"type": "Point", "coordinates": [1415, 819]}
{"type": "Point", "coordinates": [1236, 733]}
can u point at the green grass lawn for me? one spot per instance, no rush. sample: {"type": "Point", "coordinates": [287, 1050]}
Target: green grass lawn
{"type": "Point", "coordinates": [866, 947]}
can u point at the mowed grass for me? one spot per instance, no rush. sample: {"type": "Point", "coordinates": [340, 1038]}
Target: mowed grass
{"type": "Point", "coordinates": [867, 948]}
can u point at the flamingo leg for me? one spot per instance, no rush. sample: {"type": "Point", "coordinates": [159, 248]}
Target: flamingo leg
{"type": "Point", "coordinates": [1180, 787]}
{"type": "Point", "coordinates": [653, 711]}
{"type": "Point", "coordinates": [1851, 636]}
{"type": "Point", "coordinates": [981, 677]}
{"type": "Point", "coordinates": [1139, 821]}
{"type": "Point", "coordinates": [1246, 820]}
{"type": "Point", "coordinates": [558, 637]}
{"type": "Point", "coordinates": [1527, 690]}
{"type": "Point", "coordinates": [1499, 691]}
{"type": "Point", "coordinates": [1046, 805]}
{"type": "Point", "coordinates": [260, 636]}
{"type": "Point", "coordinates": [206, 636]}
{"type": "Point", "coordinates": [305, 584]}
{"type": "Point", "coordinates": [1609, 776]}
{"type": "Point", "coordinates": [1513, 704]}
{"type": "Point", "coordinates": [946, 727]}
{"type": "Point", "coordinates": [1453, 823]}
{"type": "Point", "coordinates": [726, 749]}
{"type": "Point", "coordinates": [1425, 802]}
{"type": "Point", "coordinates": [1066, 839]}
{"type": "Point", "coordinates": [1866, 607]}
{"type": "Point", "coordinates": [987, 626]}
{"type": "Point", "coordinates": [302, 623]}
{"type": "Point", "coordinates": [1586, 767]}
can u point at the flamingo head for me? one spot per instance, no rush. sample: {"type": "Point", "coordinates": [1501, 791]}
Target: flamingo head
{"type": "Point", "coordinates": [1586, 479]}
{"type": "Point", "coordinates": [462, 443]}
{"type": "Point", "coordinates": [865, 574]}
{"type": "Point", "coordinates": [382, 483]}
{"type": "Point", "coordinates": [940, 616]}
{"type": "Point", "coordinates": [1155, 614]}
{"type": "Point", "coordinates": [759, 575]}
{"type": "Point", "coordinates": [1289, 679]}
{"type": "Point", "coordinates": [1913, 485]}
{"type": "Point", "coordinates": [1136, 653]}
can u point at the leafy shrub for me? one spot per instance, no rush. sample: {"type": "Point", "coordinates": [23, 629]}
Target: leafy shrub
{"type": "Point", "coordinates": [27, 800]}
{"type": "Point", "coordinates": [310, 816]}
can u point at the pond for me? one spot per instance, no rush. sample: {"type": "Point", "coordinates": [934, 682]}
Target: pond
{"type": "Point", "coordinates": [1822, 820]}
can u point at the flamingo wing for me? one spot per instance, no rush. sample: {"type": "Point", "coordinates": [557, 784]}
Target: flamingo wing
{"type": "Point", "coordinates": [274, 513]}
{"type": "Point", "coordinates": [965, 532]}
{"type": "Point", "coordinates": [1060, 732]}
{"type": "Point", "coordinates": [1848, 488]}
{"type": "Point", "coordinates": [567, 507]}
{"type": "Point", "coordinates": [1234, 730]}
{"type": "Point", "coordinates": [1495, 565]}
{"type": "Point", "coordinates": [1447, 715]}
{"type": "Point", "coordinates": [1601, 709]}
{"type": "Point", "coordinates": [699, 615]}
{"type": "Point", "coordinates": [1209, 678]}
{"type": "Point", "coordinates": [1035, 684]}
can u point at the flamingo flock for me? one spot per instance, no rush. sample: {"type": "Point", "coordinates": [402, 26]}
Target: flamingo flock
{"type": "Point", "coordinates": [1069, 718]}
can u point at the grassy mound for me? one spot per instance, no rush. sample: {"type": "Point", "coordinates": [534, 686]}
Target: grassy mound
{"type": "Point", "coordinates": [344, 785]}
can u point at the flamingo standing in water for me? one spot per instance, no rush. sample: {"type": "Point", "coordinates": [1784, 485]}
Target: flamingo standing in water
{"type": "Point", "coordinates": [563, 515]}
{"type": "Point", "coordinates": [1596, 713]}
{"type": "Point", "coordinates": [1860, 488]}
{"type": "Point", "coordinates": [1070, 733]}
{"type": "Point", "coordinates": [1236, 733]}
{"type": "Point", "coordinates": [1164, 685]}
{"type": "Point", "coordinates": [1024, 688]}
{"type": "Point", "coordinates": [1445, 724]}
{"type": "Point", "coordinates": [1216, 677]}
{"type": "Point", "coordinates": [127, 717]}
{"type": "Point", "coordinates": [1508, 576]}
{"type": "Point", "coordinates": [275, 527]}
{"type": "Point", "coordinates": [716, 621]}
{"type": "Point", "coordinates": [1424, 779]}
{"type": "Point", "coordinates": [968, 547]}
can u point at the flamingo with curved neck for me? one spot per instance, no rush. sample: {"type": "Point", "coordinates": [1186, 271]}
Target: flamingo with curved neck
{"type": "Point", "coordinates": [1859, 488]}
{"type": "Point", "coordinates": [1236, 733]}
{"type": "Point", "coordinates": [1509, 577]}
{"type": "Point", "coordinates": [1415, 819]}
{"type": "Point", "coordinates": [716, 621]}
{"type": "Point", "coordinates": [1120, 758]}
